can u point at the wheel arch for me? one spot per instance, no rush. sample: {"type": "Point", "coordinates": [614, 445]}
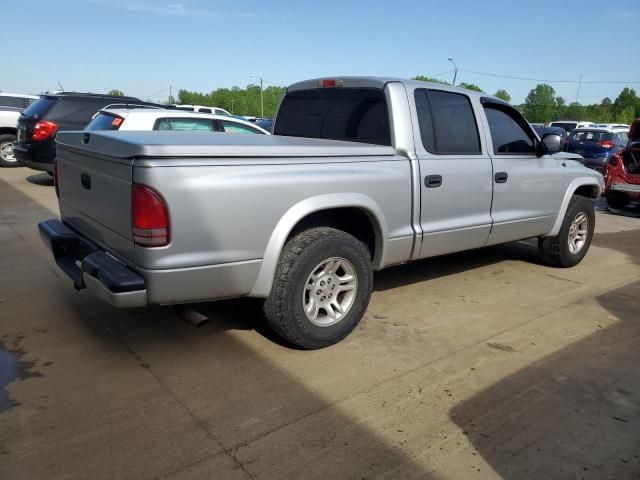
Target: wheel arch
{"type": "Point", "coordinates": [324, 210]}
{"type": "Point", "coordinates": [589, 187]}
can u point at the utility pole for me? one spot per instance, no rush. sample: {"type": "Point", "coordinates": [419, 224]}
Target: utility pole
{"type": "Point", "coordinates": [455, 70]}
{"type": "Point", "coordinates": [232, 102]}
{"type": "Point", "coordinates": [170, 94]}
{"type": "Point", "coordinates": [579, 84]}
{"type": "Point", "coordinates": [261, 96]}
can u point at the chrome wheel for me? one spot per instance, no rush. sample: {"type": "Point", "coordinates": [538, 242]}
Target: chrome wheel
{"type": "Point", "coordinates": [578, 233]}
{"type": "Point", "coordinates": [7, 153]}
{"type": "Point", "coordinates": [330, 291]}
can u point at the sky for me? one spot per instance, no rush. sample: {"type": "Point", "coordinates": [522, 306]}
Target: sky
{"type": "Point", "coordinates": [143, 46]}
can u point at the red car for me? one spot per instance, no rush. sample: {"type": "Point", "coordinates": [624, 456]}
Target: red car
{"type": "Point", "coordinates": [622, 173]}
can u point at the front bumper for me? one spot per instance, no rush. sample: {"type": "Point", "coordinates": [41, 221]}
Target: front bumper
{"type": "Point", "coordinates": [91, 268]}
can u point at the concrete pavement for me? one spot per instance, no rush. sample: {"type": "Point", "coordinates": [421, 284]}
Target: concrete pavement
{"type": "Point", "coordinates": [481, 365]}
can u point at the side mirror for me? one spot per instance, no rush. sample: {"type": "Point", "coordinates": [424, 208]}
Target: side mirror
{"type": "Point", "coordinates": [551, 143]}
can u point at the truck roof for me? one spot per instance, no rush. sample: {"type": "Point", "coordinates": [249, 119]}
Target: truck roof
{"type": "Point", "coordinates": [379, 82]}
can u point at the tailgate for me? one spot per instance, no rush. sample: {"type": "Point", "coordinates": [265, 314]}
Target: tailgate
{"type": "Point", "coordinates": [95, 194]}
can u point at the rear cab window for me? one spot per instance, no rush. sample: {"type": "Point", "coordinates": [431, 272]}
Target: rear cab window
{"type": "Point", "coordinates": [185, 124]}
{"type": "Point", "coordinates": [350, 114]}
{"type": "Point", "coordinates": [105, 121]}
{"type": "Point", "coordinates": [233, 127]}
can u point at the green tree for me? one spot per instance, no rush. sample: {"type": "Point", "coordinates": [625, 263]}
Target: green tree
{"type": "Point", "coordinates": [606, 102]}
{"type": "Point", "coordinates": [626, 105]}
{"type": "Point", "coordinates": [540, 104]}
{"type": "Point", "coordinates": [470, 86]}
{"type": "Point", "coordinates": [503, 95]}
{"type": "Point", "coordinates": [117, 93]}
{"type": "Point", "coordinates": [424, 78]}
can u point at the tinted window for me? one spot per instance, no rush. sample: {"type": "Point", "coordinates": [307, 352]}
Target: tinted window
{"type": "Point", "coordinates": [510, 132]}
{"type": "Point", "coordinates": [184, 124]}
{"type": "Point", "coordinates": [14, 102]}
{"type": "Point", "coordinates": [76, 110]}
{"type": "Point", "coordinates": [186, 109]}
{"type": "Point", "coordinates": [105, 121]}
{"type": "Point", "coordinates": [39, 107]}
{"type": "Point", "coordinates": [232, 127]}
{"type": "Point", "coordinates": [204, 110]}
{"type": "Point", "coordinates": [447, 123]}
{"type": "Point", "coordinates": [221, 112]}
{"type": "Point", "coordinates": [353, 114]}
{"type": "Point", "coordinates": [568, 126]}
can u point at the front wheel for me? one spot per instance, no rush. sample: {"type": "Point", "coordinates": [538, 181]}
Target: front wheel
{"type": "Point", "coordinates": [321, 289]}
{"type": "Point", "coordinates": [7, 155]}
{"type": "Point", "coordinates": [571, 244]}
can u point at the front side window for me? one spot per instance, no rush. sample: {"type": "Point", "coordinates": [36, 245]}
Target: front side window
{"type": "Point", "coordinates": [184, 124]}
{"type": "Point", "coordinates": [232, 127]}
{"type": "Point", "coordinates": [447, 123]}
{"type": "Point", "coordinates": [509, 132]}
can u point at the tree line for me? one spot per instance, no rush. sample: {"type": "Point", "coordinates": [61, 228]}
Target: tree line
{"type": "Point", "coordinates": [540, 106]}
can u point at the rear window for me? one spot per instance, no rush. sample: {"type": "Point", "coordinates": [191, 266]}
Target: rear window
{"type": "Point", "coordinates": [568, 126]}
{"type": "Point", "coordinates": [591, 136]}
{"type": "Point", "coordinates": [352, 114]}
{"type": "Point", "coordinates": [39, 107]}
{"type": "Point", "coordinates": [12, 102]}
{"type": "Point", "coordinates": [105, 121]}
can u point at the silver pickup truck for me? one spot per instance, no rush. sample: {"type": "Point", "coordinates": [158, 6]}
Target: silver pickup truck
{"type": "Point", "coordinates": [360, 174]}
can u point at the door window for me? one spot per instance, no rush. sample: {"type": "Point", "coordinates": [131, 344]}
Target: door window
{"type": "Point", "coordinates": [184, 124]}
{"type": "Point", "coordinates": [232, 127]}
{"type": "Point", "coordinates": [509, 131]}
{"type": "Point", "coordinates": [447, 123]}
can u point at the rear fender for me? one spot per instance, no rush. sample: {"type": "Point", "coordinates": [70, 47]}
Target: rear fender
{"type": "Point", "coordinates": [264, 281]}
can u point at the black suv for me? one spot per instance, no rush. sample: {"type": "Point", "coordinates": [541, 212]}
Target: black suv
{"type": "Point", "coordinates": [51, 113]}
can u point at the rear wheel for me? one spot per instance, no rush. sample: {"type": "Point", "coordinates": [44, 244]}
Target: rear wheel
{"type": "Point", "coordinates": [571, 244]}
{"type": "Point", "coordinates": [617, 200]}
{"type": "Point", "coordinates": [321, 289]}
{"type": "Point", "coordinates": [7, 155]}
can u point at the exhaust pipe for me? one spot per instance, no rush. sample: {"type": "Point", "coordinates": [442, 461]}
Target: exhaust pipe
{"type": "Point", "coordinates": [190, 315]}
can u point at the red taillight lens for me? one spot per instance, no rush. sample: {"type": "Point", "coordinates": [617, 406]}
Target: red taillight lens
{"type": "Point", "coordinates": [330, 82]}
{"type": "Point", "coordinates": [55, 177]}
{"type": "Point", "coordinates": [149, 217]}
{"type": "Point", "coordinates": [606, 144]}
{"type": "Point", "coordinates": [43, 129]}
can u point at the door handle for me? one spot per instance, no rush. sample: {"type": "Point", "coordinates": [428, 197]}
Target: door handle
{"type": "Point", "coordinates": [501, 177]}
{"type": "Point", "coordinates": [432, 181]}
{"type": "Point", "coordinates": [85, 181]}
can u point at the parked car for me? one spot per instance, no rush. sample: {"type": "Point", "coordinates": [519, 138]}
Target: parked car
{"type": "Point", "coordinates": [202, 109]}
{"type": "Point", "coordinates": [561, 132]}
{"type": "Point", "coordinates": [39, 124]}
{"type": "Point", "coordinates": [162, 119]}
{"type": "Point", "coordinates": [597, 145]}
{"type": "Point", "coordinates": [614, 126]}
{"type": "Point", "coordinates": [622, 173]}
{"type": "Point", "coordinates": [11, 104]}
{"type": "Point", "coordinates": [266, 123]}
{"type": "Point", "coordinates": [571, 125]}
{"type": "Point", "coordinates": [360, 174]}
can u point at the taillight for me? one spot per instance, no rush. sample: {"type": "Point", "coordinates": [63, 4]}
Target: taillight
{"type": "Point", "coordinates": [43, 129]}
{"type": "Point", "coordinates": [330, 82]}
{"type": "Point", "coordinates": [606, 144]}
{"type": "Point", "coordinates": [149, 217]}
{"type": "Point", "coordinates": [55, 177]}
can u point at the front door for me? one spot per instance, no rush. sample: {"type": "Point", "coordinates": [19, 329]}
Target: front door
{"type": "Point", "coordinates": [528, 189]}
{"type": "Point", "coordinates": [455, 174]}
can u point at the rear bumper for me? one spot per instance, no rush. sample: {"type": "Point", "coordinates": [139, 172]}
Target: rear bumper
{"type": "Point", "coordinates": [625, 187]}
{"type": "Point", "coordinates": [91, 268]}
{"type": "Point", "coordinates": [37, 157]}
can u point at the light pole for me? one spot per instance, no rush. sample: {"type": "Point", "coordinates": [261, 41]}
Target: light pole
{"type": "Point", "coordinates": [455, 70]}
{"type": "Point", "coordinates": [261, 96]}
{"type": "Point", "coordinates": [232, 102]}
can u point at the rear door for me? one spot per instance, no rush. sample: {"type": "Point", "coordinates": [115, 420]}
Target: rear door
{"type": "Point", "coordinates": [455, 174]}
{"type": "Point", "coordinates": [527, 189]}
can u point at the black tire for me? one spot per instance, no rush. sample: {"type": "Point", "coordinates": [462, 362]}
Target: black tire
{"type": "Point", "coordinates": [554, 251]}
{"type": "Point", "coordinates": [284, 307]}
{"type": "Point", "coordinates": [617, 200]}
{"type": "Point", "coordinates": [4, 161]}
